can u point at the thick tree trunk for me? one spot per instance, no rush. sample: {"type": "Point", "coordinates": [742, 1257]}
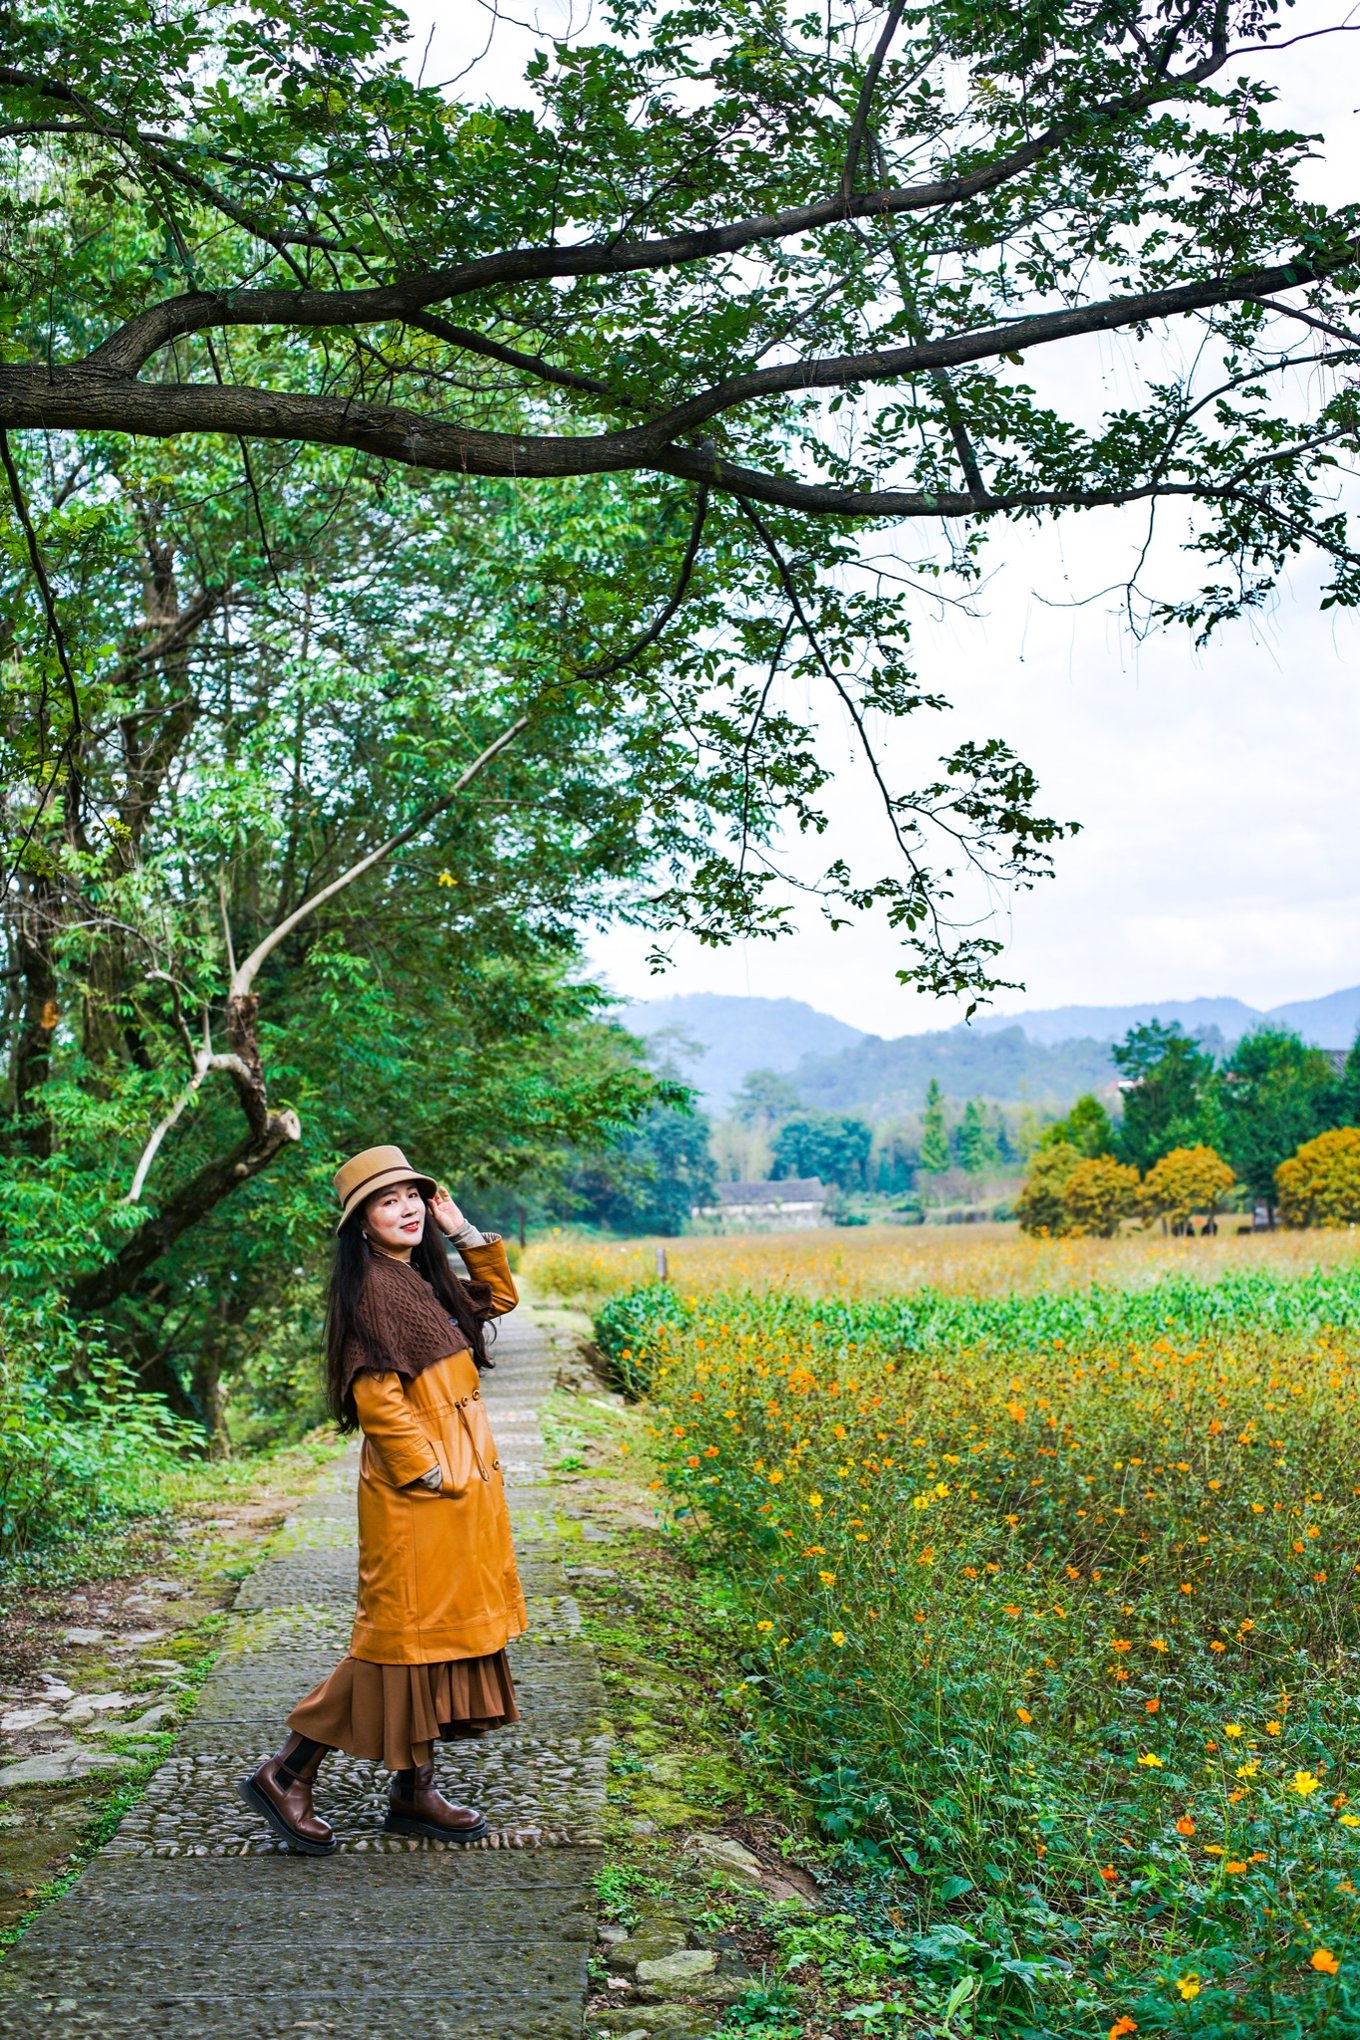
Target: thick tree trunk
{"type": "Point", "coordinates": [202, 1194]}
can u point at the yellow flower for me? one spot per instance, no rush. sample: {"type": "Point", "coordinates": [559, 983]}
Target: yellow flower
{"type": "Point", "coordinates": [814, 1500]}
{"type": "Point", "coordinates": [828, 1579]}
{"type": "Point", "coordinates": [1303, 1782]}
{"type": "Point", "coordinates": [1272, 1728]}
{"type": "Point", "coordinates": [1350, 1820]}
{"type": "Point", "coordinates": [838, 1637]}
{"type": "Point", "coordinates": [776, 1477]}
{"type": "Point", "coordinates": [764, 1625]}
{"type": "Point", "coordinates": [1151, 1760]}
{"type": "Point", "coordinates": [1188, 1986]}
{"type": "Point", "coordinates": [1233, 1729]}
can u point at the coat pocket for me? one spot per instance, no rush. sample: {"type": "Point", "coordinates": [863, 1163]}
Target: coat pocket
{"type": "Point", "coordinates": [461, 1455]}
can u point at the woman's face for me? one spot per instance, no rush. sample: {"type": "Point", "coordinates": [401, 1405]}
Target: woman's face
{"type": "Point", "coordinates": [395, 1218]}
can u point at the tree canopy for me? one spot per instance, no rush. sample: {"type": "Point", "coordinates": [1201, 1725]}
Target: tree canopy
{"type": "Point", "coordinates": [773, 276]}
{"type": "Point", "coordinates": [825, 1144]}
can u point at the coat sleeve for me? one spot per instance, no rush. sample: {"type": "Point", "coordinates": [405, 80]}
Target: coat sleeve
{"type": "Point", "coordinates": [386, 1421]}
{"type": "Point", "coordinates": [488, 1265]}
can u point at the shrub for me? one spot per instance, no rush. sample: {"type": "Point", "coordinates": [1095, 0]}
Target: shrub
{"type": "Point", "coordinates": [630, 1331]}
{"type": "Point", "coordinates": [1320, 1185]}
{"type": "Point", "coordinates": [1188, 1179]}
{"type": "Point", "coordinates": [1096, 1195]}
{"type": "Point", "coordinates": [79, 1440]}
{"type": "Point", "coordinates": [1039, 1206]}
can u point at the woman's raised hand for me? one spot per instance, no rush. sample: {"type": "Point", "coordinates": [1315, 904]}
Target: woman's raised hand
{"type": "Point", "coordinates": [445, 1212]}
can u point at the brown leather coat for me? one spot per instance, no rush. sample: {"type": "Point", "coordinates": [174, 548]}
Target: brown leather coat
{"type": "Point", "coordinates": [437, 1577]}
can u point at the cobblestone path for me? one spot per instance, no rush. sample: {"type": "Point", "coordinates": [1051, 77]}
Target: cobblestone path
{"type": "Point", "coordinates": [193, 1922]}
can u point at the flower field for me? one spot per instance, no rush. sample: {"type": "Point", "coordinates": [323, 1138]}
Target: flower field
{"type": "Point", "coordinates": [979, 1260]}
{"type": "Point", "coordinates": [1049, 1599]}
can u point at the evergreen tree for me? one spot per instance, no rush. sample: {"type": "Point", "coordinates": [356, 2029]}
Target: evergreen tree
{"type": "Point", "coordinates": [935, 1157]}
{"type": "Point", "coordinates": [1171, 1100]}
{"type": "Point", "coordinates": [977, 1148]}
{"type": "Point", "coordinates": [1276, 1094]}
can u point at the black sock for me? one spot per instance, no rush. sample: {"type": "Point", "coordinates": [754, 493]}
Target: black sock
{"type": "Point", "coordinates": [295, 1763]}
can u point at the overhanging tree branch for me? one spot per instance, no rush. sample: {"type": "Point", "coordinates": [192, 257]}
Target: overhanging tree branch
{"type": "Point", "coordinates": [76, 398]}
{"type": "Point", "coordinates": [127, 350]}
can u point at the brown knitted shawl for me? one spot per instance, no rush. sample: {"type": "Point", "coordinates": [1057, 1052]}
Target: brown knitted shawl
{"type": "Point", "coordinates": [407, 1323]}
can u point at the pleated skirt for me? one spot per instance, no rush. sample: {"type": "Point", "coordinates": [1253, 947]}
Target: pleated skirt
{"type": "Point", "coordinates": [394, 1714]}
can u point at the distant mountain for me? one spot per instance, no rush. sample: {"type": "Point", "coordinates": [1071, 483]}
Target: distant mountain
{"type": "Point", "coordinates": [1048, 1056]}
{"type": "Point", "coordinates": [736, 1035]}
{"type": "Point", "coordinates": [1112, 1023]}
{"type": "Point", "coordinates": [879, 1079]}
{"type": "Point", "coordinates": [1330, 1022]}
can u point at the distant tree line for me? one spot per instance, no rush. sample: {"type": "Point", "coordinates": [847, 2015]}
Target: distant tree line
{"type": "Point", "coordinates": [1238, 1115]}
{"type": "Point", "coordinates": [1194, 1127]}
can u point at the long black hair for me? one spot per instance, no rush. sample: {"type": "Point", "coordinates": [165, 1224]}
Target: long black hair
{"type": "Point", "coordinates": [344, 1320]}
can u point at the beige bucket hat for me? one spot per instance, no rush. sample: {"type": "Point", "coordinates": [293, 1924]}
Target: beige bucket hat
{"type": "Point", "coordinates": [375, 1169]}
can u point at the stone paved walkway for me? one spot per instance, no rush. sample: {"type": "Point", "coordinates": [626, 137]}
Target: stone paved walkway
{"type": "Point", "coordinates": [193, 1922]}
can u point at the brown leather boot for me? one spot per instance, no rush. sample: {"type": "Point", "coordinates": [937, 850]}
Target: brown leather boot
{"type": "Point", "coordinates": [281, 1789]}
{"type": "Point", "coordinates": [417, 1807]}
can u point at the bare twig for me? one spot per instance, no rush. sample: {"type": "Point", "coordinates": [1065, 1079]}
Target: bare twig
{"type": "Point", "coordinates": [244, 976]}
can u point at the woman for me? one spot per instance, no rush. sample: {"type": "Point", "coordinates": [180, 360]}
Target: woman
{"type": "Point", "coordinates": [439, 1595]}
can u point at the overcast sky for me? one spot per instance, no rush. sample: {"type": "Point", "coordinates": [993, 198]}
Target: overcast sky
{"type": "Point", "coordinates": [1217, 790]}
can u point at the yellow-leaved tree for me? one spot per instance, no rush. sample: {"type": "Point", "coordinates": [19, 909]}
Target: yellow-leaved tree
{"type": "Point", "coordinates": [1320, 1185]}
{"type": "Point", "coordinates": [1096, 1195]}
{"type": "Point", "coordinates": [1039, 1207]}
{"type": "Point", "coordinates": [1189, 1179]}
